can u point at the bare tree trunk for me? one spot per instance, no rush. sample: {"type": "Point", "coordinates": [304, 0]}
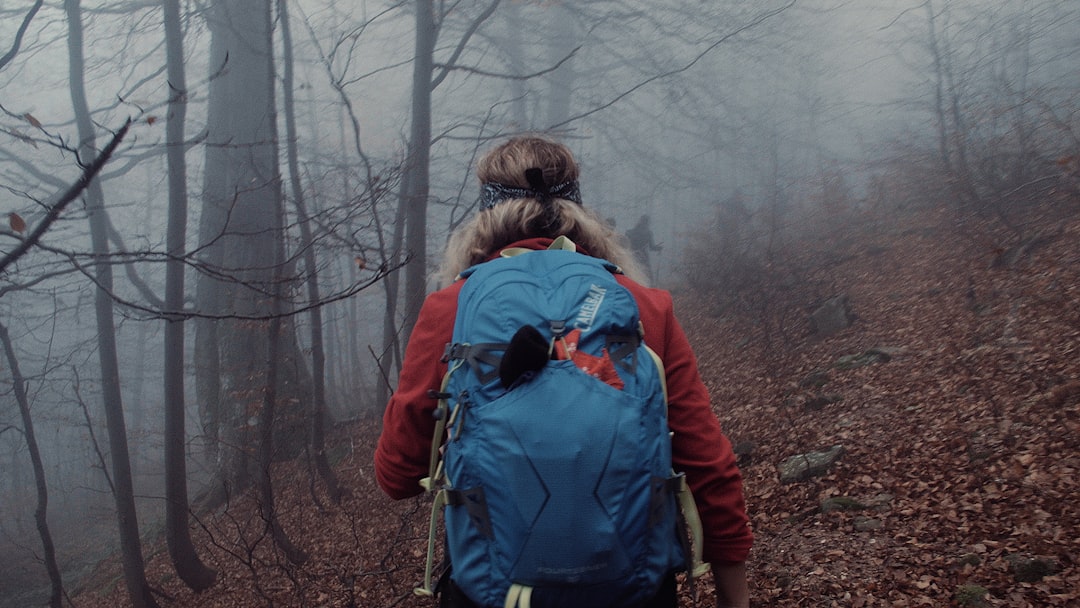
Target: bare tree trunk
{"type": "Point", "coordinates": [516, 57]}
{"type": "Point", "coordinates": [390, 357]}
{"type": "Point", "coordinates": [562, 35]}
{"type": "Point", "coordinates": [41, 511]}
{"type": "Point", "coordinates": [415, 178]}
{"type": "Point", "coordinates": [317, 442]}
{"type": "Point", "coordinates": [410, 225]}
{"type": "Point", "coordinates": [277, 327]}
{"type": "Point", "coordinates": [177, 534]}
{"type": "Point", "coordinates": [333, 353]}
{"type": "Point", "coordinates": [127, 519]}
{"type": "Point", "coordinates": [391, 259]}
{"type": "Point", "coordinates": [209, 296]}
{"type": "Point", "coordinates": [240, 205]}
{"type": "Point", "coordinates": [266, 443]}
{"type": "Point", "coordinates": [236, 234]}
{"type": "Point", "coordinates": [415, 181]}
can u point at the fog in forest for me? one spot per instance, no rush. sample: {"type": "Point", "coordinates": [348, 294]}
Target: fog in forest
{"type": "Point", "coordinates": [282, 172]}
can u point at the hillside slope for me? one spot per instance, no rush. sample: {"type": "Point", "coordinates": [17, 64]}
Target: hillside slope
{"type": "Point", "coordinates": [960, 444]}
{"type": "Point", "coordinates": [959, 427]}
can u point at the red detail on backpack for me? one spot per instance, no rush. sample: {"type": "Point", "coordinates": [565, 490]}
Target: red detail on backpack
{"type": "Point", "coordinates": [601, 368]}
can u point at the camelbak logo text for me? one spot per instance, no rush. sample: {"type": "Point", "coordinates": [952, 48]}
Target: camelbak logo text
{"type": "Point", "coordinates": [587, 314]}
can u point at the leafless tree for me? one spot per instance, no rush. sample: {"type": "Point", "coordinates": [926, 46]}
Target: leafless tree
{"type": "Point", "coordinates": [41, 518]}
{"type": "Point", "coordinates": [238, 236]}
{"type": "Point", "coordinates": [177, 534]}
{"type": "Point", "coordinates": [317, 441]}
{"type": "Point", "coordinates": [127, 518]}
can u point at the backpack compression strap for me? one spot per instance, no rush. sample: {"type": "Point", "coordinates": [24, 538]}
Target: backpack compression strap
{"type": "Point", "coordinates": [689, 516]}
{"type": "Point", "coordinates": [435, 480]}
{"type": "Point", "coordinates": [475, 354]}
{"type": "Point", "coordinates": [519, 596]}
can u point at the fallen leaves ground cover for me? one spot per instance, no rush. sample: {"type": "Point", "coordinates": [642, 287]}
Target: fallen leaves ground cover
{"type": "Point", "coordinates": [965, 440]}
{"type": "Point", "coordinates": [960, 447]}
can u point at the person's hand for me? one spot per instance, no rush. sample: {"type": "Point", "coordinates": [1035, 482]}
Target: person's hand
{"type": "Point", "coordinates": [731, 588]}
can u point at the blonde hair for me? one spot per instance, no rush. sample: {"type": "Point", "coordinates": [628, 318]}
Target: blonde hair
{"type": "Point", "coordinates": [506, 163]}
{"type": "Point", "coordinates": [514, 220]}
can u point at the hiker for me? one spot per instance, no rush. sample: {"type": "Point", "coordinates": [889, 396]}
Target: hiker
{"type": "Point", "coordinates": [641, 242]}
{"type": "Point", "coordinates": [522, 208]}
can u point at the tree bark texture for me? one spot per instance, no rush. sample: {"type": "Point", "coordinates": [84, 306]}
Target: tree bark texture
{"type": "Point", "coordinates": [185, 559]}
{"type": "Point", "coordinates": [239, 234]}
{"type": "Point", "coordinates": [317, 405]}
{"type": "Point", "coordinates": [415, 181]}
{"type": "Point", "coordinates": [130, 545]}
{"type": "Point", "coordinates": [41, 511]}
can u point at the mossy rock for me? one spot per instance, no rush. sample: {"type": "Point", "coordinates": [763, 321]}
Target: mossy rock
{"type": "Point", "coordinates": [744, 453]}
{"type": "Point", "coordinates": [969, 559]}
{"type": "Point", "coordinates": [1027, 569]}
{"type": "Point", "coordinates": [972, 596]}
{"type": "Point", "coordinates": [841, 503]}
{"type": "Point", "coordinates": [818, 402]}
{"type": "Point", "coordinates": [815, 379]}
{"type": "Point", "coordinates": [869, 357]}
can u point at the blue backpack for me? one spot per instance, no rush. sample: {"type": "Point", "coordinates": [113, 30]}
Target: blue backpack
{"type": "Point", "coordinates": [555, 470]}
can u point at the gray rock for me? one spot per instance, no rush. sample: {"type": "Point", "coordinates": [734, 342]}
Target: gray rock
{"type": "Point", "coordinates": [832, 316]}
{"type": "Point", "coordinates": [815, 379]}
{"type": "Point", "coordinates": [841, 503]}
{"type": "Point", "coordinates": [811, 464]}
{"type": "Point", "coordinates": [863, 523]}
{"type": "Point", "coordinates": [869, 357]}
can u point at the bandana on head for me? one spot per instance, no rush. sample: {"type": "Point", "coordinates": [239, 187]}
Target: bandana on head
{"type": "Point", "coordinates": [492, 194]}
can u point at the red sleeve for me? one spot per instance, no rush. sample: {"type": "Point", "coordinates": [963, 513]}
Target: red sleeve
{"type": "Point", "coordinates": [404, 449]}
{"type": "Point", "coordinates": [699, 447]}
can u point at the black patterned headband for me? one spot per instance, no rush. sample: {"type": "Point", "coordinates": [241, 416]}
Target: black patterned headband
{"type": "Point", "coordinates": [492, 194]}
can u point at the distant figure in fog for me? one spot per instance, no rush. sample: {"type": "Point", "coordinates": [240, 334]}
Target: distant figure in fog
{"type": "Point", "coordinates": [641, 242]}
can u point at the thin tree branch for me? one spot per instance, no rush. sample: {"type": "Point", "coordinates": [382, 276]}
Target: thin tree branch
{"type": "Point", "coordinates": [73, 192]}
{"type": "Point", "coordinates": [753, 23]}
{"type": "Point", "coordinates": [19, 35]}
{"type": "Point", "coordinates": [93, 436]}
{"type": "Point", "coordinates": [129, 268]}
{"type": "Point", "coordinates": [38, 279]}
{"type": "Point", "coordinates": [548, 70]}
{"type": "Point", "coordinates": [473, 27]}
{"type": "Point", "coordinates": [302, 306]}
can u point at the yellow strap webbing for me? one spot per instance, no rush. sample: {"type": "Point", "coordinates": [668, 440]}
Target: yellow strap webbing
{"type": "Point", "coordinates": [659, 368]}
{"type": "Point", "coordinates": [518, 596]}
{"type": "Point", "coordinates": [561, 244]}
{"type": "Point", "coordinates": [440, 427]}
{"type": "Point", "coordinates": [428, 590]}
{"type": "Point", "coordinates": [510, 252]}
{"type": "Point", "coordinates": [435, 482]}
{"type": "Point", "coordinates": [564, 243]}
{"type": "Point", "coordinates": [697, 566]}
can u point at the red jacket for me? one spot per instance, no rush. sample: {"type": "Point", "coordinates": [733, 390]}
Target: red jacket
{"type": "Point", "coordinates": [699, 448]}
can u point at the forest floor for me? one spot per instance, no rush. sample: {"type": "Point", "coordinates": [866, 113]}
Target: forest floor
{"type": "Point", "coordinates": [959, 479]}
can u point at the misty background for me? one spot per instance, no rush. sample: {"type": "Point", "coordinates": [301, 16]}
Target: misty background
{"type": "Point", "coordinates": [303, 154]}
